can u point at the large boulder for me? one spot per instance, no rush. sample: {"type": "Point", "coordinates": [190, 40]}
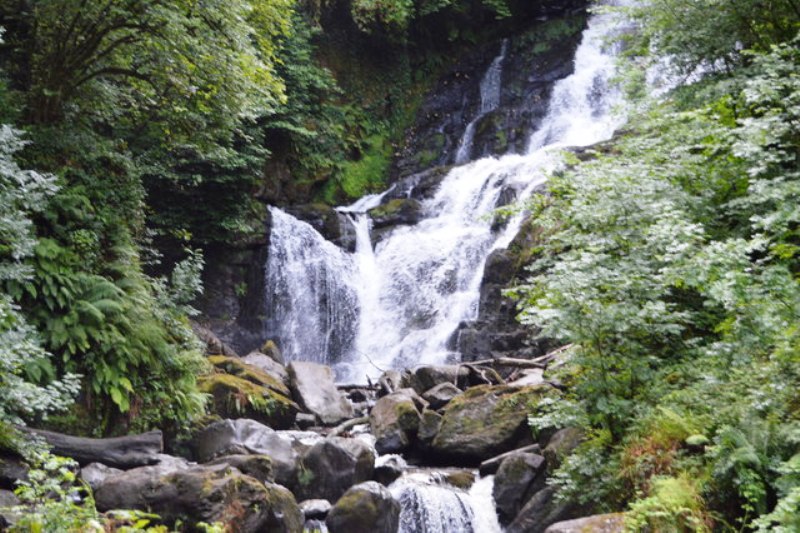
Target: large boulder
{"type": "Point", "coordinates": [486, 421]}
{"type": "Point", "coordinates": [561, 444]}
{"type": "Point", "coordinates": [242, 436]}
{"type": "Point", "coordinates": [601, 523]}
{"type": "Point", "coordinates": [256, 466]}
{"type": "Point", "coordinates": [428, 428]}
{"type": "Point", "coordinates": [424, 378]}
{"type": "Point", "coordinates": [313, 387]}
{"type": "Point", "coordinates": [520, 475]}
{"type": "Point", "coordinates": [332, 466]}
{"type": "Point", "coordinates": [394, 421]}
{"type": "Point", "coordinates": [203, 494]}
{"type": "Point", "coordinates": [490, 466]}
{"type": "Point", "coordinates": [242, 390]}
{"type": "Point", "coordinates": [365, 508]}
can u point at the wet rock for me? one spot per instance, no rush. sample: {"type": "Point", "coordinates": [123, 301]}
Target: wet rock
{"type": "Point", "coordinates": [602, 523]}
{"type": "Point", "coordinates": [420, 186]}
{"type": "Point", "coordinates": [333, 465]}
{"type": "Point", "coordinates": [463, 479]}
{"type": "Point", "coordinates": [389, 382]}
{"type": "Point", "coordinates": [424, 378]}
{"type": "Point", "coordinates": [256, 466]}
{"type": "Point", "coordinates": [441, 394]}
{"type": "Point", "coordinates": [394, 421]}
{"type": "Point", "coordinates": [541, 511]}
{"type": "Point", "coordinates": [95, 473]}
{"type": "Point", "coordinates": [305, 420]}
{"type": "Point", "coordinates": [243, 436]}
{"type": "Point", "coordinates": [203, 494]}
{"type": "Point", "coordinates": [365, 508]}
{"type": "Point", "coordinates": [490, 466]}
{"type": "Point", "coordinates": [268, 365]}
{"type": "Point", "coordinates": [326, 221]}
{"type": "Point", "coordinates": [313, 387]}
{"type": "Point", "coordinates": [388, 468]}
{"type": "Point", "coordinates": [520, 475]}
{"type": "Point", "coordinates": [561, 444]}
{"type": "Point", "coordinates": [486, 421]}
{"type": "Point", "coordinates": [271, 350]}
{"type": "Point", "coordinates": [395, 212]}
{"type": "Point", "coordinates": [315, 509]}
{"type": "Point", "coordinates": [428, 427]}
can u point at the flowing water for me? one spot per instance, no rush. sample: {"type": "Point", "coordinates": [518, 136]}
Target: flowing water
{"type": "Point", "coordinates": [490, 87]}
{"type": "Point", "coordinates": [398, 304]}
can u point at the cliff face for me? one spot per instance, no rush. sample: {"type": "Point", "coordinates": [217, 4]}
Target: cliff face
{"type": "Point", "coordinates": [539, 52]}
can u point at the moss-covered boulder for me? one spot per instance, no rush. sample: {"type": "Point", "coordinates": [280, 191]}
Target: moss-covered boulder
{"type": "Point", "coordinates": [365, 508]}
{"type": "Point", "coordinates": [239, 368]}
{"type": "Point", "coordinates": [237, 397]}
{"type": "Point", "coordinates": [394, 421]}
{"type": "Point", "coordinates": [332, 466]}
{"type": "Point", "coordinates": [519, 477]}
{"type": "Point", "coordinates": [396, 212]}
{"type": "Point", "coordinates": [204, 494]}
{"type": "Point", "coordinates": [486, 421]}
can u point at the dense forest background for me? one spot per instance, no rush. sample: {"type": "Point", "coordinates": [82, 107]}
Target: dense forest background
{"type": "Point", "coordinates": [668, 256]}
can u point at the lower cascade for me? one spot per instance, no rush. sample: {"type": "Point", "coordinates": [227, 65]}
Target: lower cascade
{"type": "Point", "coordinates": [428, 505]}
{"type": "Point", "coordinates": [397, 304]}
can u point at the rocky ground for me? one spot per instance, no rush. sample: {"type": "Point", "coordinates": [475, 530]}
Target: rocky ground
{"type": "Point", "coordinates": [288, 450]}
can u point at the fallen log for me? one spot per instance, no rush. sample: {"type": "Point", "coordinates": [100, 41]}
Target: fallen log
{"type": "Point", "coordinates": [510, 362]}
{"type": "Point", "coordinates": [344, 426]}
{"type": "Point", "coordinates": [125, 452]}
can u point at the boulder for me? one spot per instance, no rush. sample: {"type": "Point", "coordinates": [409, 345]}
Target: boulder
{"type": "Point", "coordinates": [365, 508]}
{"type": "Point", "coordinates": [394, 421]}
{"type": "Point", "coordinates": [490, 466]}
{"type": "Point", "coordinates": [397, 211]}
{"type": "Point", "coordinates": [541, 511]}
{"type": "Point", "coordinates": [441, 394]}
{"type": "Point", "coordinates": [428, 428]}
{"type": "Point", "coordinates": [203, 494]}
{"type": "Point", "coordinates": [520, 476]}
{"type": "Point", "coordinates": [267, 365]}
{"type": "Point", "coordinates": [601, 523]}
{"type": "Point", "coordinates": [561, 444]}
{"type": "Point", "coordinates": [388, 468]}
{"type": "Point", "coordinates": [256, 466]}
{"type": "Point", "coordinates": [423, 378]}
{"type": "Point", "coordinates": [332, 466]}
{"type": "Point", "coordinates": [235, 397]}
{"type": "Point", "coordinates": [271, 350]}
{"type": "Point", "coordinates": [242, 436]}
{"type": "Point", "coordinates": [313, 387]}
{"type": "Point", "coordinates": [315, 509]}
{"type": "Point", "coordinates": [389, 382]}
{"type": "Point", "coordinates": [95, 473]}
{"type": "Point", "coordinates": [486, 421]}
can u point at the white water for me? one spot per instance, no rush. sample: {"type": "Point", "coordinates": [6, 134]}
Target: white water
{"type": "Point", "coordinates": [398, 305]}
{"type": "Point", "coordinates": [429, 505]}
{"type": "Point", "coordinates": [490, 100]}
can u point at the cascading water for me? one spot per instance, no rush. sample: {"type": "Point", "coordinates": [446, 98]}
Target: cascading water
{"type": "Point", "coordinates": [490, 100]}
{"type": "Point", "coordinates": [399, 304]}
{"type": "Point", "coordinates": [428, 505]}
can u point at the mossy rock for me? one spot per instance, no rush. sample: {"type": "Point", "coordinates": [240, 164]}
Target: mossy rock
{"type": "Point", "coordinates": [486, 421]}
{"type": "Point", "coordinates": [236, 397]}
{"type": "Point", "coordinates": [462, 479]}
{"type": "Point", "coordinates": [397, 211]}
{"type": "Point", "coordinates": [238, 368]}
{"type": "Point", "coordinates": [365, 507]}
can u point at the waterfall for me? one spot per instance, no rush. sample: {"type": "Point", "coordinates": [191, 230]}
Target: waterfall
{"type": "Point", "coordinates": [428, 505]}
{"type": "Point", "coordinates": [490, 100]}
{"type": "Point", "coordinates": [398, 305]}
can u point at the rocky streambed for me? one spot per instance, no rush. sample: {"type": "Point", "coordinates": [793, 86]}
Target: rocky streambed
{"type": "Point", "coordinates": [432, 448]}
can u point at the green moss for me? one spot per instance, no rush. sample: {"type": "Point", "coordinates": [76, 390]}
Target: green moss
{"type": "Point", "coordinates": [369, 173]}
{"type": "Point", "coordinates": [236, 397]}
{"type": "Point", "coordinates": [236, 367]}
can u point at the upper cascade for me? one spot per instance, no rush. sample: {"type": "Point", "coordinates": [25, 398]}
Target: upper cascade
{"type": "Point", "coordinates": [398, 304]}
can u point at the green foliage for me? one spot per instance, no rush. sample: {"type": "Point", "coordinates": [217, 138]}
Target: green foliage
{"type": "Point", "coordinates": [54, 499]}
{"type": "Point", "coordinates": [670, 263]}
{"type": "Point", "coordinates": [22, 193]}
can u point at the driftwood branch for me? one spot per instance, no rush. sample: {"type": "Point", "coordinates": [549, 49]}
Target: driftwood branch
{"type": "Point", "coordinates": [344, 426]}
{"type": "Point", "coordinates": [118, 452]}
{"type": "Point", "coordinates": [539, 362]}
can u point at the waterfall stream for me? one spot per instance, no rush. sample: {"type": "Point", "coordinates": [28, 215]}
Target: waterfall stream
{"type": "Point", "coordinates": [398, 304]}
